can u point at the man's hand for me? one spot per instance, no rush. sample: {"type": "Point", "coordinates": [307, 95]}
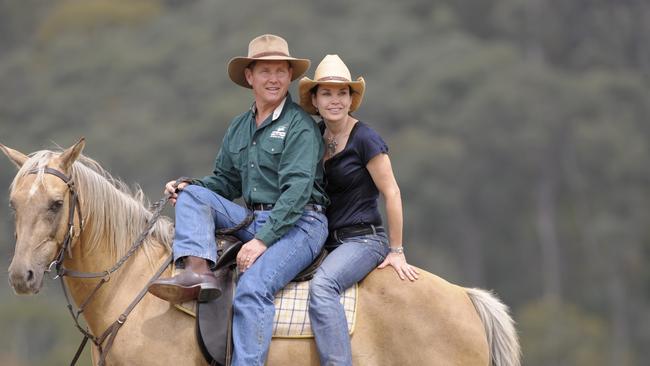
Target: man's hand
{"type": "Point", "coordinates": [172, 190]}
{"type": "Point", "coordinates": [249, 253]}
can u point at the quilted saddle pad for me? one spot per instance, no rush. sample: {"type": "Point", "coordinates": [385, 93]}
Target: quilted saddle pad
{"type": "Point", "coordinates": [291, 310]}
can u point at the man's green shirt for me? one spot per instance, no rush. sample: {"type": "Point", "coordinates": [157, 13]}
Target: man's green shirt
{"type": "Point", "coordinates": [278, 163]}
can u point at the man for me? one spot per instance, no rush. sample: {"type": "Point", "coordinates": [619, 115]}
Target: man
{"type": "Point", "coordinates": [271, 156]}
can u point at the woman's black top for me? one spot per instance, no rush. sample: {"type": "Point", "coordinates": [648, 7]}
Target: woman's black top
{"type": "Point", "coordinates": [352, 192]}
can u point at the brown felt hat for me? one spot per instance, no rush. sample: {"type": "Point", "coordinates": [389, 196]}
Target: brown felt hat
{"type": "Point", "coordinates": [267, 47]}
{"type": "Point", "coordinates": [331, 70]}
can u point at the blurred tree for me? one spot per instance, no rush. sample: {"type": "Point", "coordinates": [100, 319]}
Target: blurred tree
{"type": "Point", "coordinates": [518, 132]}
{"type": "Point", "coordinates": [579, 339]}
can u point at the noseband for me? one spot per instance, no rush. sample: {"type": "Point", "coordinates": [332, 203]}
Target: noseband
{"type": "Point", "coordinates": [72, 205]}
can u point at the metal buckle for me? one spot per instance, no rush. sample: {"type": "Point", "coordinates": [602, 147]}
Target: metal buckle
{"type": "Point", "coordinates": [53, 265]}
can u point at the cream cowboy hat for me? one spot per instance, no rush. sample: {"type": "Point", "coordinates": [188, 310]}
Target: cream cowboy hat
{"type": "Point", "coordinates": [331, 70]}
{"type": "Point", "coordinates": [267, 47]}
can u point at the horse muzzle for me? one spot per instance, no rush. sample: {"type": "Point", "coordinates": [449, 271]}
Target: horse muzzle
{"type": "Point", "coordinates": [25, 279]}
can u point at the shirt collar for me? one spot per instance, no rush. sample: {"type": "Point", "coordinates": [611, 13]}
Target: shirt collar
{"type": "Point", "coordinates": [276, 112]}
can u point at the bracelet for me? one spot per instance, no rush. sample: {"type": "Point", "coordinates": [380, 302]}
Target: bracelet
{"type": "Point", "coordinates": [398, 250]}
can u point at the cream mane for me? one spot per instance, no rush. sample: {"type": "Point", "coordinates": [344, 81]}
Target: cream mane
{"type": "Point", "coordinates": [111, 212]}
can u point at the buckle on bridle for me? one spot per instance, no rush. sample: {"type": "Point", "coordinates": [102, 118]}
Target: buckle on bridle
{"type": "Point", "coordinates": [53, 265]}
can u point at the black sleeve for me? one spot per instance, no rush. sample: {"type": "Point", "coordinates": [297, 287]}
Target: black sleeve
{"type": "Point", "coordinates": [369, 144]}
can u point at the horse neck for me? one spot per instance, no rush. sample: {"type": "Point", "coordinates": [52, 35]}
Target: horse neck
{"type": "Point", "coordinates": [96, 253]}
{"type": "Point", "coordinates": [116, 294]}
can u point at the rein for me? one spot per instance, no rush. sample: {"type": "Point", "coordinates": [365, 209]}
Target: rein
{"type": "Point", "coordinates": [111, 332]}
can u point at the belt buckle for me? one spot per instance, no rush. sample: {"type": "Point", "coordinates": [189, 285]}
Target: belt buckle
{"type": "Point", "coordinates": [374, 230]}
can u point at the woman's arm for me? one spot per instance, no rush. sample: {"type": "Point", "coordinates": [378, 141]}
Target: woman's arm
{"type": "Point", "coordinates": [381, 172]}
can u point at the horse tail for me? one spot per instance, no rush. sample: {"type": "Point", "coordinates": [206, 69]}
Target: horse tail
{"type": "Point", "coordinates": [499, 328]}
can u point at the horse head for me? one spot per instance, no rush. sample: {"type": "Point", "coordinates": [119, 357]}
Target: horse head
{"type": "Point", "coordinates": [41, 203]}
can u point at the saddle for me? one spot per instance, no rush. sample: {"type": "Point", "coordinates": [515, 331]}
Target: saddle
{"type": "Point", "coordinates": [214, 318]}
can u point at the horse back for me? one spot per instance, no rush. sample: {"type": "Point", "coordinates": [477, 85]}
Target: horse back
{"type": "Point", "coordinates": [426, 322]}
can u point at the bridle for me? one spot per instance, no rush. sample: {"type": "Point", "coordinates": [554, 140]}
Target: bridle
{"type": "Point", "coordinates": [57, 264]}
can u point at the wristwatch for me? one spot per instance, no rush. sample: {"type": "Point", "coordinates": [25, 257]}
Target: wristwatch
{"type": "Point", "coordinates": [398, 250]}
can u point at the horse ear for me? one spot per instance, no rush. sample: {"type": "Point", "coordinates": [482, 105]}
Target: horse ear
{"type": "Point", "coordinates": [72, 153]}
{"type": "Point", "coordinates": [15, 156]}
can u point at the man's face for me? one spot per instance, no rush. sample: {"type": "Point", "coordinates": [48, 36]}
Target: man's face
{"type": "Point", "coordinates": [270, 80]}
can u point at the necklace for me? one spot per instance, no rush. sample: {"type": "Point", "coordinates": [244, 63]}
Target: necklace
{"type": "Point", "coordinates": [332, 140]}
{"type": "Point", "coordinates": [331, 145]}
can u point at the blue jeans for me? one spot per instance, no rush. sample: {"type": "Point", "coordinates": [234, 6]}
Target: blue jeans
{"type": "Point", "coordinates": [199, 211]}
{"type": "Point", "coordinates": [347, 264]}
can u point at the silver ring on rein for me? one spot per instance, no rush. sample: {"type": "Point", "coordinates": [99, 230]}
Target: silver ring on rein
{"type": "Point", "coordinates": [52, 266]}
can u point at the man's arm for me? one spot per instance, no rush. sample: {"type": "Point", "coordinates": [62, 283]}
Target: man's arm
{"type": "Point", "coordinates": [225, 179]}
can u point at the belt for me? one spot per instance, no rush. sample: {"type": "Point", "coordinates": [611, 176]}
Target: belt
{"type": "Point", "coordinates": [355, 230]}
{"type": "Point", "coordinates": [269, 207]}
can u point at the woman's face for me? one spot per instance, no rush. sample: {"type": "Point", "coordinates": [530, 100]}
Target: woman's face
{"type": "Point", "coordinates": [332, 101]}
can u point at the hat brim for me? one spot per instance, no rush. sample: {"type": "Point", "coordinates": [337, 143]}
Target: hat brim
{"type": "Point", "coordinates": [237, 65]}
{"type": "Point", "coordinates": [306, 84]}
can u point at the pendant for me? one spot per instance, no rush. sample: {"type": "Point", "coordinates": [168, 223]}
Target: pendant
{"type": "Point", "coordinates": [331, 145]}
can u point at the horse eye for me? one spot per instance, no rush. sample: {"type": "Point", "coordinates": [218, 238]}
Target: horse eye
{"type": "Point", "coordinates": [55, 206]}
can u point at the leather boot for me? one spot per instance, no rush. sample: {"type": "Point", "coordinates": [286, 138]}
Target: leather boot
{"type": "Point", "coordinates": [195, 282]}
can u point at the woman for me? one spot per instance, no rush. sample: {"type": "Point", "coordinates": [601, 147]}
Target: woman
{"type": "Point", "coordinates": [357, 169]}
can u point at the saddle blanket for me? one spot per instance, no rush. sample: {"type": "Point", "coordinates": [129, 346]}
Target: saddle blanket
{"type": "Point", "coordinates": [291, 310]}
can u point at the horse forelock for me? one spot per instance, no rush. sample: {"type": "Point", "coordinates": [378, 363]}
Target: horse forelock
{"type": "Point", "coordinates": [38, 161]}
{"type": "Point", "coordinates": [113, 215]}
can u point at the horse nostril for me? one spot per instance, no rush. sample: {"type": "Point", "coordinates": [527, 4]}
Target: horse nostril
{"type": "Point", "coordinates": [30, 275]}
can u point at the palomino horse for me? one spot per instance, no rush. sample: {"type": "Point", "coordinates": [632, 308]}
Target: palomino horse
{"type": "Point", "coordinates": [427, 322]}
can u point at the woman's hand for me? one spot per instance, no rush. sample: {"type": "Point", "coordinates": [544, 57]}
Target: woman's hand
{"type": "Point", "coordinates": [403, 269]}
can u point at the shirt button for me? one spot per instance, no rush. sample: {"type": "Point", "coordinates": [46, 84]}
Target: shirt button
{"type": "Point", "coordinates": [254, 189]}
{"type": "Point", "coordinates": [272, 149]}
{"type": "Point", "coordinates": [254, 142]}
{"type": "Point", "coordinates": [252, 165]}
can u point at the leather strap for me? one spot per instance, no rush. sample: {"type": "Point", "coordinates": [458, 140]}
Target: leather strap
{"type": "Point", "coordinates": [269, 207]}
{"type": "Point", "coordinates": [355, 230]}
{"type": "Point", "coordinates": [109, 334]}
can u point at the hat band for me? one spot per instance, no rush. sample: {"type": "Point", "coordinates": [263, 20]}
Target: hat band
{"type": "Point", "coordinates": [269, 53]}
{"type": "Point", "coordinates": [337, 78]}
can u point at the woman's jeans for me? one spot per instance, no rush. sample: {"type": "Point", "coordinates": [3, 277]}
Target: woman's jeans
{"type": "Point", "coordinates": [199, 212]}
{"type": "Point", "coordinates": [348, 264]}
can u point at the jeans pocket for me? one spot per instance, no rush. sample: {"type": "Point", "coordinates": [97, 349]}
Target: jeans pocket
{"type": "Point", "coordinates": [314, 226]}
{"type": "Point", "coordinates": [378, 242]}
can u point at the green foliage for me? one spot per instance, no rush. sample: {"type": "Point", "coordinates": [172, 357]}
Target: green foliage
{"type": "Point", "coordinates": [561, 334]}
{"type": "Point", "coordinates": [516, 129]}
{"type": "Point", "coordinates": [85, 16]}
{"type": "Point", "coordinates": [38, 331]}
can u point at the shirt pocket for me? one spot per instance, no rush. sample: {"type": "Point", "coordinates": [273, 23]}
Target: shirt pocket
{"type": "Point", "coordinates": [270, 153]}
{"type": "Point", "coordinates": [238, 154]}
